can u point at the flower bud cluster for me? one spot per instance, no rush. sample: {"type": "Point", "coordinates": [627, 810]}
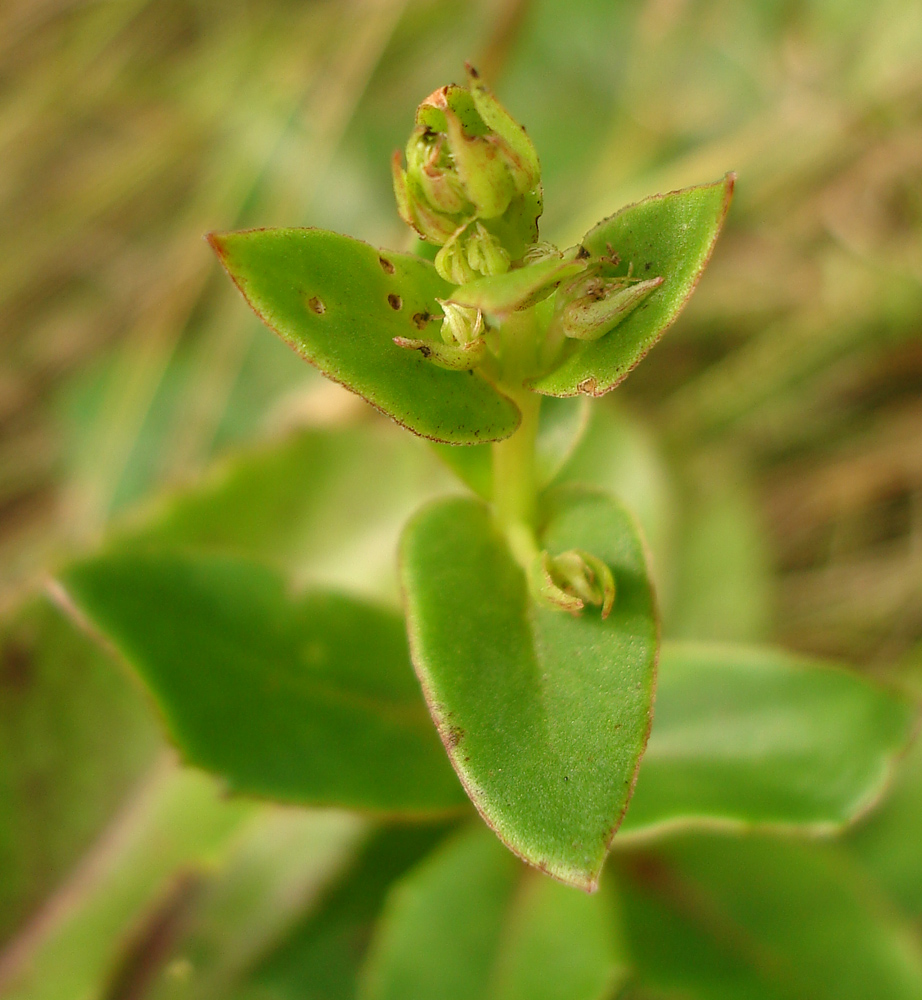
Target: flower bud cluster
{"type": "Point", "coordinates": [472, 182]}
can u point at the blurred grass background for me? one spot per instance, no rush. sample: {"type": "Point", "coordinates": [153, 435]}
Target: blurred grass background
{"type": "Point", "coordinates": [786, 404]}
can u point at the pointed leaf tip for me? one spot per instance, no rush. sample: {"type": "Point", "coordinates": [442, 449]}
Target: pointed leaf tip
{"type": "Point", "coordinates": [668, 235]}
{"type": "Point", "coordinates": [340, 303]}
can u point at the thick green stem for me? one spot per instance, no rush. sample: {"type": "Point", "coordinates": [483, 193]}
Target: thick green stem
{"type": "Point", "coordinates": [515, 484]}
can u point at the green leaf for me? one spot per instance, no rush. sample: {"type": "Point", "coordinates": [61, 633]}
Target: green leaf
{"type": "Point", "coordinates": [561, 425]}
{"type": "Point", "coordinates": [181, 825]}
{"type": "Point", "coordinates": [469, 924]}
{"type": "Point", "coordinates": [669, 236]}
{"type": "Point", "coordinates": [746, 737]}
{"type": "Point", "coordinates": [63, 774]}
{"type": "Point", "coordinates": [437, 936]}
{"type": "Point", "coordinates": [340, 302]}
{"type": "Point", "coordinates": [308, 699]}
{"type": "Point", "coordinates": [724, 577]}
{"type": "Point", "coordinates": [499, 295]}
{"type": "Point", "coordinates": [326, 505]}
{"type": "Point", "coordinates": [320, 958]}
{"type": "Point", "coordinates": [544, 715]}
{"type": "Point", "coordinates": [888, 842]}
{"type": "Point", "coordinates": [558, 945]}
{"type": "Point", "coordinates": [719, 918]}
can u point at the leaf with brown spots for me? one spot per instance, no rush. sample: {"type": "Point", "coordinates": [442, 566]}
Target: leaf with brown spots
{"type": "Point", "coordinates": [341, 304]}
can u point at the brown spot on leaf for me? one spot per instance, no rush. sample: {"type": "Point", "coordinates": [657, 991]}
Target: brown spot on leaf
{"type": "Point", "coordinates": [315, 304]}
{"type": "Point", "coordinates": [386, 265]}
{"type": "Point", "coordinates": [454, 736]}
{"type": "Point", "coordinates": [589, 386]}
{"type": "Point", "coordinates": [421, 320]}
{"type": "Point", "coordinates": [395, 302]}
{"type": "Point", "coordinates": [15, 665]}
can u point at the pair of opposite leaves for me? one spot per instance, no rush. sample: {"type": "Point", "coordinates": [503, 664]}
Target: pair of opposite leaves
{"type": "Point", "coordinates": [545, 716]}
{"type": "Point", "coordinates": [341, 303]}
{"type": "Point", "coordinates": [506, 682]}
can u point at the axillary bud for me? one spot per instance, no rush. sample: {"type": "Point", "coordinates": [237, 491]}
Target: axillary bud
{"type": "Point", "coordinates": [571, 580]}
{"type": "Point", "coordinates": [591, 305]}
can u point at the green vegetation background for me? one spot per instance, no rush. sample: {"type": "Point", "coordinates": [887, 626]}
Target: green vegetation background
{"type": "Point", "coordinates": [775, 439]}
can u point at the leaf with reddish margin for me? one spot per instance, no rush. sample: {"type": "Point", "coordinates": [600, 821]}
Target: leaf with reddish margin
{"type": "Point", "coordinates": [544, 715]}
{"type": "Point", "coordinates": [304, 698]}
{"type": "Point", "coordinates": [670, 236]}
{"type": "Point", "coordinates": [340, 303]}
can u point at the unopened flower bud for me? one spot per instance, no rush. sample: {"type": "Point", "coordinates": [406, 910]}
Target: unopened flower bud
{"type": "Point", "coordinates": [462, 325]}
{"type": "Point", "coordinates": [463, 343]}
{"type": "Point", "coordinates": [485, 253]}
{"type": "Point", "coordinates": [572, 580]}
{"type": "Point", "coordinates": [468, 159]}
{"type": "Point", "coordinates": [591, 305]}
{"type": "Point", "coordinates": [452, 264]}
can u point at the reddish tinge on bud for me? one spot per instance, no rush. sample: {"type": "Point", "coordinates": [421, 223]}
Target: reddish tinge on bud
{"type": "Point", "coordinates": [472, 182]}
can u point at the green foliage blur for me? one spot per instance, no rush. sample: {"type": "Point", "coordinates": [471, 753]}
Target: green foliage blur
{"type": "Point", "coordinates": [772, 443]}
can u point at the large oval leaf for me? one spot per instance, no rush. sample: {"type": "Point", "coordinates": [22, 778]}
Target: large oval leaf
{"type": "Point", "coordinates": [544, 715]}
{"type": "Point", "coordinates": [309, 700]}
{"type": "Point", "coordinates": [763, 918]}
{"type": "Point", "coordinates": [340, 303]}
{"type": "Point", "coordinates": [325, 505]}
{"type": "Point", "coordinates": [669, 236]}
{"type": "Point", "coordinates": [468, 924]}
{"type": "Point", "coordinates": [755, 737]}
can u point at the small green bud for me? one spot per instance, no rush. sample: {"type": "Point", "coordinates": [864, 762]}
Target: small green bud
{"type": "Point", "coordinates": [590, 305]}
{"type": "Point", "coordinates": [468, 160]}
{"type": "Point", "coordinates": [471, 253]}
{"type": "Point", "coordinates": [462, 325]}
{"type": "Point", "coordinates": [572, 580]}
{"type": "Point", "coordinates": [485, 253]}
{"type": "Point", "coordinates": [463, 343]}
{"type": "Point", "coordinates": [452, 264]}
